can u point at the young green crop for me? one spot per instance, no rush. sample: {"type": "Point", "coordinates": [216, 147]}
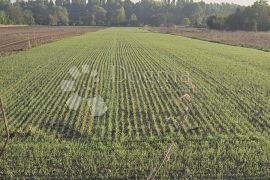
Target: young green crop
{"type": "Point", "coordinates": [228, 112]}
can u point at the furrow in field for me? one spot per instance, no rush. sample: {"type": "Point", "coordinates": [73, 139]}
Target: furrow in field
{"type": "Point", "coordinates": [140, 66]}
{"type": "Point", "coordinates": [209, 108]}
{"type": "Point", "coordinates": [34, 83]}
{"type": "Point", "coordinates": [163, 68]}
{"type": "Point", "coordinates": [233, 98]}
{"type": "Point", "coordinates": [48, 97]}
{"type": "Point", "coordinates": [167, 61]}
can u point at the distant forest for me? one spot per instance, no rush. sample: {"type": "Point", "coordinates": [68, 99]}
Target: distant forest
{"type": "Point", "coordinates": [111, 12]}
{"type": "Point", "coordinates": [146, 12]}
{"type": "Point", "coordinates": [253, 18]}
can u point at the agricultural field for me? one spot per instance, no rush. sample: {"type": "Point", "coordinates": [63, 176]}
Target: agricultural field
{"type": "Point", "coordinates": [16, 38]}
{"type": "Point", "coordinates": [108, 104]}
{"type": "Point", "coordinates": [256, 40]}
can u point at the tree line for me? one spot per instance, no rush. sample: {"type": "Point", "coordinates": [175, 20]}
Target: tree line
{"type": "Point", "coordinates": [111, 12]}
{"type": "Point", "coordinates": [252, 18]}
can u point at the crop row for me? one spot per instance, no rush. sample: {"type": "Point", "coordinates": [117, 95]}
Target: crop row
{"type": "Point", "coordinates": [140, 82]}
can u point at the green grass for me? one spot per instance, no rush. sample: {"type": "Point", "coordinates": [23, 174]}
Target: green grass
{"type": "Point", "coordinates": [216, 157]}
{"type": "Point", "coordinates": [229, 115]}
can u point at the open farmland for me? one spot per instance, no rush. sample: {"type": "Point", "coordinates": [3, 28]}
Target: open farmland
{"type": "Point", "coordinates": [138, 79]}
{"type": "Point", "coordinates": [15, 38]}
{"type": "Point", "coordinates": [256, 40]}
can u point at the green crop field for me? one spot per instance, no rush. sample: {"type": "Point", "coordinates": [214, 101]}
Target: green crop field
{"type": "Point", "coordinates": [108, 103]}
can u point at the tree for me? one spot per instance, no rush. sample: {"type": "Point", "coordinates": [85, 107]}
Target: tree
{"type": "Point", "coordinates": [4, 4]}
{"type": "Point", "coordinates": [53, 19]}
{"type": "Point", "coordinates": [88, 19]}
{"type": "Point", "coordinates": [133, 17]}
{"type": "Point", "coordinates": [134, 20]}
{"type": "Point", "coordinates": [15, 14]}
{"type": "Point", "coordinates": [59, 2]}
{"type": "Point", "coordinates": [40, 12]}
{"type": "Point", "coordinates": [92, 3]}
{"type": "Point", "coordinates": [126, 12]}
{"type": "Point", "coordinates": [100, 15]}
{"type": "Point", "coordinates": [253, 18]}
{"type": "Point", "coordinates": [262, 15]}
{"type": "Point", "coordinates": [3, 18]}
{"type": "Point", "coordinates": [234, 21]}
{"type": "Point", "coordinates": [120, 16]}
{"type": "Point", "coordinates": [216, 22]}
{"type": "Point", "coordinates": [180, 3]}
{"type": "Point", "coordinates": [58, 15]}
{"type": "Point", "coordinates": [51, 5]}
{"type": "Point", "coordinates": [144, 11]}
{"type": "Point", "coordinates": [159, 19]}
{"type": "Point", "coordinates": [28, 17]}
{"type": "Point", "coordinates": [81, 2]}
{"type": "Point", "coordinates": [62, 15]}
{"type": "Point", "coordinates": [196, 14]}
{"type": "Point", "coordinates": [76, 12]}
{"type": "Point", "coordinates": [187, 22]}
{"type": "Point", "coordinates": [110, 7]}
{"type": "Point", "coordinates": [129, 9]}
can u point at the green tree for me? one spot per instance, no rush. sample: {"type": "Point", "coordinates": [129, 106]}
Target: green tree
{"type": "Point", "coordinates": [28, 17]}
{"type": "Point", "coordinates": [120, 16]}
{"type": "Point", "coordinates": [187, 22]}
{"type": "Point", "coordinates": [134, 20]}
{"type": "Point", "coordinates": [126, 12]}
{"type": "Point", "coordinates": [129, 9]}
{"type": "Point", "coordinates": [253, 18]}
{"type": "Point", "coordinates": [62, 15]}
{"type": "Point", "coordinates": [133, 17]}
{"type": "Point", "coordinates": [53, 20]}
{"type": "Point", "coordinates": [262, 15]}
{"type": "Point", "coordinates": [3, 18]}
{"type": "Point", "coordinates": [15, 14]}
{"type": "Point", "coordinates": [145, 10]}
{"type": "Point", "coordinates": [40, 12]}
{"type": "Point", "coordinates": [216, 22]}
{"type": "Point", "coordinates": [197, 14]}
{"type": "Point", "coordinates": [88, 19]}
{"type": "Point", "coordinates": [76, 13]}
{"type": "Point", "coordinates": [81, 2]}
{"type": "Point", "coordinates": [59, 2]}
{"type": "Point", "coordinates": [4, 4]}
{"type": "Point", "coordinates": [51, 5]}
{"type": "Point", "coordinates": [159, 19]}
{"type": "Point", "coordinates": [100, 15]}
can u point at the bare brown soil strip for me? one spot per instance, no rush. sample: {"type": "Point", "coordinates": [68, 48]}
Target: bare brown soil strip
{"type": "Point", "coordinates": [17, 38]}
{"type": "Point", "coordinates": [257, 40]}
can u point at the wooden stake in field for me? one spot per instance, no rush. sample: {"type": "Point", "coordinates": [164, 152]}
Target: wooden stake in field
{"type": "Point", "coordinates": [188, 97]}
{"type": "Point", "coordinates": [5, 121]}
{"type": "Point", "coordinates": [29, 44]}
